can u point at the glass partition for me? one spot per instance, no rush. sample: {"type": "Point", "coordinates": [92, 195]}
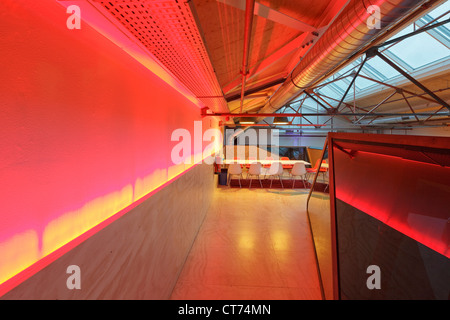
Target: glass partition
{"type": "Point", "coordinates": [381, 229]}
{"type": "Point", "coordinates": [318, 208]}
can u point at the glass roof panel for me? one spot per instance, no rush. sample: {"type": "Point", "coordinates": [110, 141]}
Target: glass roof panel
{"type": "Point", "coordinates": [327, 91]}
{"type": "Point", "coordinates": [379, 67]}
{"type": "Point", "coordinates": [340, 85]}
{"type": "Point", "coordinates": [442, 9]}
{"type": "Point", "coordinates": [419, 50]}
{"type": "Point", "coordinates": [362, 83]}
{"type": "Point", "coordinates": [410, 54]}
{"type": "Point", "coordinates": [346, 70]}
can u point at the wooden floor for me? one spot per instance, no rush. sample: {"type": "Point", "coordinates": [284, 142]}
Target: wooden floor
{"type": "Point", "coordinates": [253, 244]}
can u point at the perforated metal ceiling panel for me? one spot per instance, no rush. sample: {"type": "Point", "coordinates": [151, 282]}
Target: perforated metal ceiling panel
{"type": "Point", "coordinates": [168, 30]}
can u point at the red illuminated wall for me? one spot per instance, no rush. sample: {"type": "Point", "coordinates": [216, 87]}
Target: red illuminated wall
{"type": "Point", "coordinates": [85, 132]}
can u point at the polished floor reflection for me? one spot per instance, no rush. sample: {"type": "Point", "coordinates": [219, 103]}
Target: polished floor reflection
{"type": "Point", "coordinates": [253, 244]}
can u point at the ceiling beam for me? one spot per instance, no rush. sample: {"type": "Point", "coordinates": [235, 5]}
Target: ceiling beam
{"type": "Point", "coordinates": [269, 61]}
{"type": "Point", "coordinates": [249, 8]}
{"type": "Point", "coordinates": [422, 29]}
{"type": "Point", "coordinates": [302, 43]}
{"type": "Point", "coordinates": [255, 89]}
{"type": "Point", "coordinates": [273, 15]}
{"type": "Point", "coordinates": [413, 80]}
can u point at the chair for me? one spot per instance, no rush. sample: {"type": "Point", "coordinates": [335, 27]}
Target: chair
{"type": "Point", "coordinates": [255, 170]}
{"type": "Point", "coordinates": [298, 170]}
{"type": "Point", "coordinates": [236, 159]}
{"type": "Point", "coordinates": [286, 166]}
{"type": "Point", "coordinates": [268, 165]}
{"type": "Point", "coordinates": [276, 170]}
{"type": "Point", "coordinates": [316, 167]}
{"type": "Point", "coordinates": [234, 169]}
{"type": "Point", "coordinates": [250, 162]}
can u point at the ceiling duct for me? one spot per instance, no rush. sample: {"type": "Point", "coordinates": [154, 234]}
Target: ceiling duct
{"type": "Point", "coordinates": [348, 34]}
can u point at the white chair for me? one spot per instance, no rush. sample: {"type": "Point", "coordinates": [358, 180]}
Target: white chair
{"type": "Point", "coordinates": [298, 170]}
{"type": "Point", "coordinates": [234, 169]}
{"type": "Point", "coordinates": [255, 170]}
{"type": "Point", "coordinates": [276, 170]}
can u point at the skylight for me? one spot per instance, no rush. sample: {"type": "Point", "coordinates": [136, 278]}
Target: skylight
{"type": "Point", "coordinates": [430, 49]}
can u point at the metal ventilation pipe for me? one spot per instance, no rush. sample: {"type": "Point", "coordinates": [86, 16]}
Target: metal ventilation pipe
{"type": "Point", "coordinates": [348, 34]}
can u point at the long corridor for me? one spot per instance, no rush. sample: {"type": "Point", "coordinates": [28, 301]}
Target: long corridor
{"type": "Point", "coordinates": [253, 244]}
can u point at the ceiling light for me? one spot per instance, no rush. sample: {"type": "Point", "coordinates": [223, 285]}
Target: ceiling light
{"type": "Point", "coordinates": [281, 120]}
{"type": "Point", "coordinates": [249, 120]}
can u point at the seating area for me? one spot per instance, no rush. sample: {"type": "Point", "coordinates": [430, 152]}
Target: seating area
{"type": "Point", "coordinates": [270, 173]}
